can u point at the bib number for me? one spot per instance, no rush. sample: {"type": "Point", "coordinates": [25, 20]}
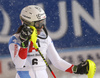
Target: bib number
{"type": "Point", "coordinates": [35, 61]}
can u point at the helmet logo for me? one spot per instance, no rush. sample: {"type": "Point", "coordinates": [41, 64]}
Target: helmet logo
{"type": "Point", "coordinates": [39, 15]}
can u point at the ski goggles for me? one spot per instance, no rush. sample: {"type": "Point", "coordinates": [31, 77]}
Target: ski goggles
{"type": "Point", "coordinates": [36, 24]}
{"type": "Point", "coordinates": [39, 24]}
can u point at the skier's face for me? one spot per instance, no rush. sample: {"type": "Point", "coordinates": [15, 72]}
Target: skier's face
{"type": "Point", "coordinates": [39, 30]}
{"type": "Point", "coordinates": [39, 25]}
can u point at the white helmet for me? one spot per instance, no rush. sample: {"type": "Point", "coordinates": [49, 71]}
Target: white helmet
{"type": "Point", "coordinates": [32, 13]}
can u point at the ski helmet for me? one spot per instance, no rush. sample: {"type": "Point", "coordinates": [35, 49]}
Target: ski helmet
{"type": "Point", "coordinates": [33, 15]}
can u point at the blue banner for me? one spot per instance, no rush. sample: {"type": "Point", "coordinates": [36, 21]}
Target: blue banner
{"type": "Point", "coordinates": [70, 23]}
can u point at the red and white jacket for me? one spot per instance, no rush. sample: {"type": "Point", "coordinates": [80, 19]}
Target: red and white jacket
{"type": "Point", "coordinates": [25, 58]}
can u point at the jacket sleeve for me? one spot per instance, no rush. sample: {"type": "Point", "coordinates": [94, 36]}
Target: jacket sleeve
{"type": "Point", "coordinates": [56, 60]}
{"type": "Point", "coordinates": [18, 54]}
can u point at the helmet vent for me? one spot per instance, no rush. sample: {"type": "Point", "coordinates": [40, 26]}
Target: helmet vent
{"type": "Point", "coordinates": [30, 12]}
{"type": "Point", "coordinates": [29, 7]}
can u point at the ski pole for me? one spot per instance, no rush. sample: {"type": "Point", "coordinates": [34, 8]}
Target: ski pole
{"type": "Point", "coordinates": [46, 63]}
{"type": "Point", "coordinates": [36, 47]}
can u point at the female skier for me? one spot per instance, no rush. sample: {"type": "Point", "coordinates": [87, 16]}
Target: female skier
{"type": "Point", "coordinates": [27, 60]}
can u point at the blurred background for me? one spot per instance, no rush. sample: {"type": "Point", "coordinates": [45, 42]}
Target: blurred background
{"type": "Point", "coordinates": [74, 26]}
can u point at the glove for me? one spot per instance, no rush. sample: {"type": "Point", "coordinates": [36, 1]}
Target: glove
{"type": "Point", "coordinates": [25, 35]}
{"type": "Point", "coordinates": [82, 68]}
{"type": "Point", "coordinates": [34, 36]}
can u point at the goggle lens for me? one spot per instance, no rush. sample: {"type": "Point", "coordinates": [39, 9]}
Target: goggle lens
{"type": "Point", "coordinates": [39, 24]}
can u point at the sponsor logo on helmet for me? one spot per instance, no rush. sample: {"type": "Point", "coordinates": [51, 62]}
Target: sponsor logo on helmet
{"type": "Point", "coordinates": [39, 15]}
